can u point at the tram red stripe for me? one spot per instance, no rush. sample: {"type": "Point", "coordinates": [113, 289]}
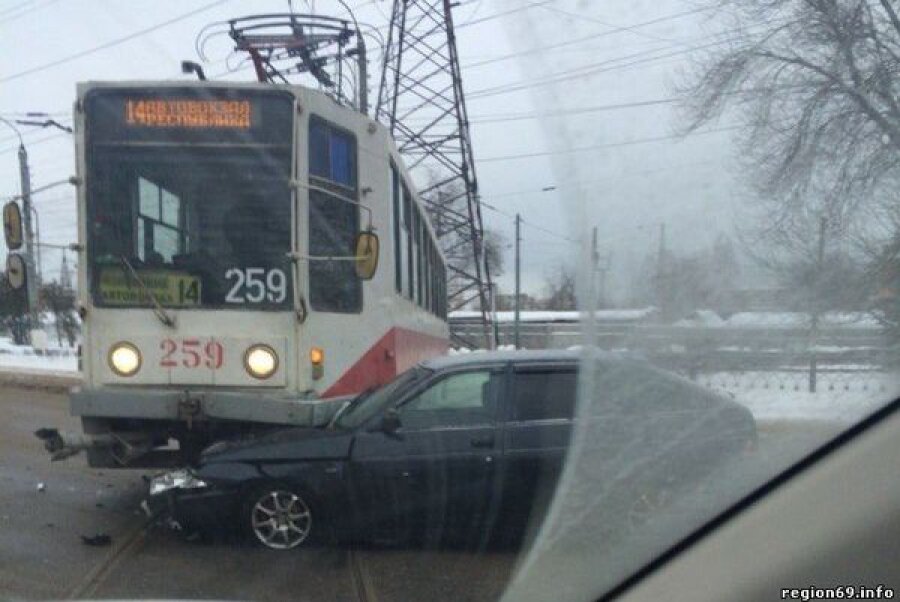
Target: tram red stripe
{"type": "Point", "coordinates": [398, 350]}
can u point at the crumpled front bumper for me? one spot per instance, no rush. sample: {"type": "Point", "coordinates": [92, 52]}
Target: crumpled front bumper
{"type": "Point", "coordinates": [209, 510]}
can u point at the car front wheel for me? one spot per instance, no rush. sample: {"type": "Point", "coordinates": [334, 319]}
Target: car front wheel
{"type": "Point", "coordinates": [278, 517]}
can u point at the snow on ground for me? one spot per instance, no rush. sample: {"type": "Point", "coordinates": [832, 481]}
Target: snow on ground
{"type": "Point", "coordinates": [603, 315]}
{"type": "Point", "coordinates": [773, 319]}
{"type": "Point", "coordinates": [39, 362]}
{"type": "Point", "coordinates": [23, 356]}
{"type": "Point", "coordinates": [842, 397]}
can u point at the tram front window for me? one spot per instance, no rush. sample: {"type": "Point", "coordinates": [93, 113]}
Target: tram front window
{"type": "Point", "coordinates": [188, 197]}
{"type": "Point", "coordinates": [200, 228]}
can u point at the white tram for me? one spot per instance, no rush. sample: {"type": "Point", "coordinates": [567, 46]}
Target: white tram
{"type": "Point", "coordinates": [226, 231]}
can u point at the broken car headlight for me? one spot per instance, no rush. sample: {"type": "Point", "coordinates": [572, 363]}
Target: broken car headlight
{"type": "Point", "coordinates": [177, 479]}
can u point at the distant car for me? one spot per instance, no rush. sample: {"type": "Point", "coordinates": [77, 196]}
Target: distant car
{"type": "Point", "coordinates": [472, 444]}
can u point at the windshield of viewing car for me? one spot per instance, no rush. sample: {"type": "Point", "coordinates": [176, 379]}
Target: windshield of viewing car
{"type": "Point", "coordinates": [369, 405]}
{"type": "Point", "coordinates": [204, 220]}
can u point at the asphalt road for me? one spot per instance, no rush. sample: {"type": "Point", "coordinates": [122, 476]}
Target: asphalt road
{"type": "Point", "coordinates": [42, 555]}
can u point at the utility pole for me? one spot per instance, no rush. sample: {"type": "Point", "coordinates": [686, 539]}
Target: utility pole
{"type": "Point", "coordinates": [31, 273]}
{"type": "Point", "coordinates": [518, 301]}
{"type": "Point", "coordinates": [595, 265]}
{"type": "Point", "coordinates": [661, 280]}
{"type": "Point", "coordinates": [814, 302]}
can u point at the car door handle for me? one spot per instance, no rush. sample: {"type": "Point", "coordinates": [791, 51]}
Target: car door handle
{"type": "Point", "coordinates": [482, 442]}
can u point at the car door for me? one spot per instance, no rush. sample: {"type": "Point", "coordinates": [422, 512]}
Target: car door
{"type": "Point", "coordinates": [438, 468]}
{"type": "Point", "coordinates": [538, 412]}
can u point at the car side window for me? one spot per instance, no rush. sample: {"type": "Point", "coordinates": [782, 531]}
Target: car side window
{"type": "Point", "coordinates": [543, 394]}
{"type": "Point", "coordinates": [463, 398]}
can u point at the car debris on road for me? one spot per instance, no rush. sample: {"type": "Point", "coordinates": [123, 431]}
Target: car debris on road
{"type": "Point", "coordinates": [99, 540]}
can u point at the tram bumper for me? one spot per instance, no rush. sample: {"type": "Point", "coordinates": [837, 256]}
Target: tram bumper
{"type": "Point", "coordinates": [133, 428]}
{"type": "Point", "coordinates": [202, 405]}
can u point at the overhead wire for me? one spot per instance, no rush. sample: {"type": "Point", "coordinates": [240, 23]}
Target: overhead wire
{"type": "Point", "coordinates": [7, 19]}
{"type": "Point", "coordinates": [111, 43]}
{"type": "Point", "coordinates": [491, 207]}
{"type": "Point", "coordinates": [608, 145]}
{"type": "Point", "coordinates": [14, 8]}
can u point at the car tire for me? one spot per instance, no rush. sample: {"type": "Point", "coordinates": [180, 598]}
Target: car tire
{"type": "Point", "coordinates": [280, 517]}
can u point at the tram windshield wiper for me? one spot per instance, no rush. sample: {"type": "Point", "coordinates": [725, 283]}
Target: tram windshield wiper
{"type": "Point", "coordinates": [158, 309]}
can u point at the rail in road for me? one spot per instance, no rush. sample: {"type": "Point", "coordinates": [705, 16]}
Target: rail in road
{"type": "Point", "coordinates": [104, 578]}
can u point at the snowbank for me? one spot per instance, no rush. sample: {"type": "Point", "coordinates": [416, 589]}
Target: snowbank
{"type": "Point", "coordinates": [772, 319]}
{"type": "Point", "coordinates": [701, 318]}
{"type": "Point", "coordinates": [603, 315]}
{"type": "Point", "coordinates": [56, 359]}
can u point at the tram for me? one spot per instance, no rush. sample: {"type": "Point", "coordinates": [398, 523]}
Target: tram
{"type": "Point", "coordinates": [249, 252]}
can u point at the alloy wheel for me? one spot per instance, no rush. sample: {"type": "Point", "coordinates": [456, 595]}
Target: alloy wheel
{"type": "Point", "coordinates": [280, 519]}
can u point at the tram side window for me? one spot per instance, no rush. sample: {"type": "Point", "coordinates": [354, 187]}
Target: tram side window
{"type": "Point", "coordinates": [398, 232]}
{"type": "Point", "coordinates": [161, 227]}
{"type": "Point", "coordinates": [434, 272]}
{"type": "Point", "coordinates": [424, 285]}
{"type": "Point", "coordinates": [426, 301]}
{"type": "Point", "coordinates": [414, 256]}
{"type": "Point", "coordinates": [407, 221]}
{"type": "Point", "coordinates": [433, 279]}
{"type": "Point", "coordinates": [442, 287]}
{"type": "Point", "coordinates": [333, 223]}
{"type": "Point", "coordinates": [418, 256]}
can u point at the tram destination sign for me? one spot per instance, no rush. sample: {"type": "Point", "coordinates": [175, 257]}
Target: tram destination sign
{"type": "Point", "coordinates": [188, 115]}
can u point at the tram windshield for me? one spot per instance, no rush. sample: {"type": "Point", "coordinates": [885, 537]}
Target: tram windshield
{"type": "Point", "coordinates": [191, 206]}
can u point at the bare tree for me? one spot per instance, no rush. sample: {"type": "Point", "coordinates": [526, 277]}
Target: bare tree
{"type": "Point", "coordinates": [681, 283]}
{"type": "Point", "coordinates": [814, 85]}
{"type": "Point", "coordinates": [559, 290]}
{"type": "Point", "coordinates": [814, 81]}
{"type": "Point", "coordinates": [60, 301]}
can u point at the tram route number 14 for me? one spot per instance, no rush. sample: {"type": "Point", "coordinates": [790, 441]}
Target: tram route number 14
{"type": "Point", "coordinates": [256, 285]}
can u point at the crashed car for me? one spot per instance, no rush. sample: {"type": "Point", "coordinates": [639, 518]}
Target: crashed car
{"type": "Point", "coordinates": [472, 444]}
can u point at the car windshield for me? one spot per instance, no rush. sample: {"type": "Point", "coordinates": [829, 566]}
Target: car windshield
{"type": "Point", "coordinates": [371, 404]}
{"type": "Point", "coordinates": [624, 263]}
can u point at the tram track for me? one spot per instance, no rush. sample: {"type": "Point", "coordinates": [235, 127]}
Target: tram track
{"type": "Point", "coordinates": [131, 544]}
{"type": "Point", "coordinates": [359, 576]}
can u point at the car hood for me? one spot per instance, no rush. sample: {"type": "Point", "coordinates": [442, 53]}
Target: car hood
{"type": "Point", "coordinates": [283, 445]}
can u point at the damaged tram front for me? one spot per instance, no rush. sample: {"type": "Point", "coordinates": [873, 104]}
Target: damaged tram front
{"type": "Point", "coordinates": [228, 277]}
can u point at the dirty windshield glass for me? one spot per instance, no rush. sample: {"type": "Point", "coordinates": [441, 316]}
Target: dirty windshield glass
{"type": "Point", "coordinates": [622, 263]}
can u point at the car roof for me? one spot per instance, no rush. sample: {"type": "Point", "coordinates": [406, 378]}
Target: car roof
{"type": "Point", "coordinates": [476, 358]}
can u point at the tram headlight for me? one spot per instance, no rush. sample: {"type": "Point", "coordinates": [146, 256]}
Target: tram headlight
{"type": "Point", "coordinates": [261, 361]}
{"type": "Point", "coordinates": [124, 359]}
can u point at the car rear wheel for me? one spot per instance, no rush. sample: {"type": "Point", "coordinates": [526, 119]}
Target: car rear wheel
{"type": "Point", "coordinates": [278, 517]}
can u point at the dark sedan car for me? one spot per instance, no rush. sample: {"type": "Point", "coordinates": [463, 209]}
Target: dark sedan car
{"type": "Point", "coordinates": [469, 444]}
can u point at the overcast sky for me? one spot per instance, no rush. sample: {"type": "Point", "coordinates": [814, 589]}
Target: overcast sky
{"type": "Point", "coordinates": [541, 116]}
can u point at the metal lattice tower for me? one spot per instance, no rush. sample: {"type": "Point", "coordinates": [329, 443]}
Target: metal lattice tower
{"type": "Point", "coordinates": [421, 100]}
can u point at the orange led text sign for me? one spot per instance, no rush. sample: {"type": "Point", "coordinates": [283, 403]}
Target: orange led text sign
{"type": "Point", "coordinates": [188, 113]}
